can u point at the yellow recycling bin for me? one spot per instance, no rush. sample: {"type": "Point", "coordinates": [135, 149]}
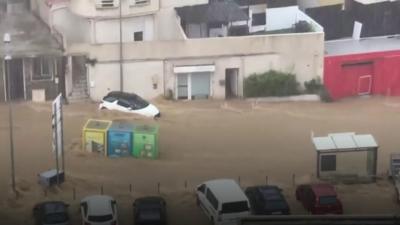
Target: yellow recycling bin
{"type": "Point", "coordinates": [95, 135]}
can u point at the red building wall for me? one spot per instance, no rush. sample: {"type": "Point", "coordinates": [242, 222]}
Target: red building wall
{"type": "Point", "coordinates": [352, 75]}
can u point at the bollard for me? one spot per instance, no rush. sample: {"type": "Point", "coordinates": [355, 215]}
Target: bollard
{"type": "Point", "coordinates": [294, 179]}
{"type": "Point", "coordinates": [73, 193]}
{"type": "Point", "coordinates": [266, 180]}
{"type": "Point", "coordinates": [130, 188]}
{"type": "Point", "coordinates": [158, 187]}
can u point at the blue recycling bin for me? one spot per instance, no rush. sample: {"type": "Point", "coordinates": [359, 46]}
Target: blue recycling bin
{"type": "Point", "coordinates": [120, 139]}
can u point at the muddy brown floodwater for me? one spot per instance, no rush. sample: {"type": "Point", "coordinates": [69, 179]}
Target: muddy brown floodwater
{"type": "Point", "coordinates": [198, 141]}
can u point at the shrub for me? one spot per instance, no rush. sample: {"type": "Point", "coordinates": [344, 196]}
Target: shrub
{"type": "Point", "coordinates": [313, 86]}
{"type": "Point", "coordinates": [324, 95]}
{"type": "Point", "coordinates": [303, 27]}
{"type": "Point", "coordinates": [271, 83]}
{"type": "Point", "coordinates": [169, 95]}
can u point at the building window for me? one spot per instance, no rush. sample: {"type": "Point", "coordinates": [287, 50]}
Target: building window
{"type": "Point", "coordinates": [103, 4]}
{"type": "Point", "coordinates": [43, 68]}
{"type": "Point", "coordinates": [139, 2]}
{"type": "Point", "coordinates": [258, 19]}
{"type": "Point", "coordinates": [138, 36]}
{"type": "Point", "coordinates": [328, 163]}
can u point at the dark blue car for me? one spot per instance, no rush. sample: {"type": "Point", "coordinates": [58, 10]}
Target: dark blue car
{"type": "Point", "coordinates": [267, 200]}
{"type": "Point", "coordinates": [150, 211]}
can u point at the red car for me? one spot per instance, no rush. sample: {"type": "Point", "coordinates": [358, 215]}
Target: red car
{"type": "Point", "coordinates": [319, 199]}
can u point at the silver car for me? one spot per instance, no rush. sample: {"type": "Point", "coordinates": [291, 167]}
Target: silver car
{"type": "Point", "coordinates": [99, 210]}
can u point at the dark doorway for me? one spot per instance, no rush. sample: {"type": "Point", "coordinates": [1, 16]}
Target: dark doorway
{"type": "Point", "coordinates": [15, 79]}
{"type": "Point", "coordinates": [79, 77]}
{"type": "Point", "coordinates": [231, 83]}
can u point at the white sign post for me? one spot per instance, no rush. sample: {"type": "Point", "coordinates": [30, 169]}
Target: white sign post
{"type": "Point", "coordinates": [58, 140]}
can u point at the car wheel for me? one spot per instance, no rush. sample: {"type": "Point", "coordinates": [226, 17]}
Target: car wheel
{"type": "Point", "coordinates": [212, 221]}
{"type": "Point", "coordinates": [197, 201]}
{"type": "Point", "coordinates": [102, 108]}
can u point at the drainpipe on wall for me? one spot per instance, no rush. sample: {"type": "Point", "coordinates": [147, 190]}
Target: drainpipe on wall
{"type": "Point", "coordinates": [121, 67]}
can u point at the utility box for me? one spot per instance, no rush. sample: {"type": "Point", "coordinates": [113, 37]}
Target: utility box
{"type": "Point", "coordinates": [49, 178]}
{"type": "Point", "coordinates": [95, 135]}
{"type": "Point", "coordinates": [145, 141]}
{"type": "Point", "coordinates": [347, 157]}
{"type": "Point", "coordinates": [120, 139]}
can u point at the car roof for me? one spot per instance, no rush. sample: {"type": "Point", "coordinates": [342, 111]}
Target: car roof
{"type": "Point", "coordinates": [226, 190]}
{"type": "Point", "coordinates": [53, 207]}
{"type": "Point", "coordinates": [269, 191]}
{"type": "Point", "coordinates": [120, 94]}
{"type": "Point", "coordinates": [323, 189]}
{"type": "Point", "coordinates": [98, 204]}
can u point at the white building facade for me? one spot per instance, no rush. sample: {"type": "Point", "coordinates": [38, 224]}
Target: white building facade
{"type": "Point", "coordinates": [159, 58]}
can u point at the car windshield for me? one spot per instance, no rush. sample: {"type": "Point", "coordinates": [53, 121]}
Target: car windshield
{"type": "Point", "coordinates": [327, 200]}
{"type": "Point", "coordinates": [56, 218]}
{"type": "Point", "coordinates": [103, 218]}
{"type": "Point", "coordinates": [271, 195]}
{"type": "Point", "coordinates": [138, 102]}
{"type": "Point", "coordinates": [235, 207]}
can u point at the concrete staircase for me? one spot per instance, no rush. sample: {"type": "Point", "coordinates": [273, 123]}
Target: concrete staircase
{"type": "Point", "coordinates": [79, 91]}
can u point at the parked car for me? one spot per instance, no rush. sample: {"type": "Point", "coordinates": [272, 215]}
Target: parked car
{"type": "Point", "coordinates": [223, 201]}
{"type": "Point", "coordinates": [267, 200]}
{"type": "Point", "coordinates": [51, 213]}
{"type": "Point", "coordinates": [99, 210]}
{"type": "Point", "coordinates": [150, 211]}
{"type": "Point", "coordinates": [130, 103]}
{"type": "Point", "coordinates": [319, 199]}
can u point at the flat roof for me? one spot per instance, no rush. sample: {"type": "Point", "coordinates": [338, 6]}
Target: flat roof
{"type": "Point", "coordinates": [30, 36]}
{"type": "Point", "coordinates": [344, 141]}
{"type": "Point", "coordinates": [364, 45]}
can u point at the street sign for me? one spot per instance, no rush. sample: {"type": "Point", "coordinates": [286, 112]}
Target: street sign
{"type": "Point", "coordinates": [57, 127]}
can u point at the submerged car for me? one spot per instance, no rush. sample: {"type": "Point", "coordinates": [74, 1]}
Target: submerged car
{"type": "Point", "coordinates": [319, 199]}
{"type": "Point", "coordinates": [130, 103]}
{"type": "Point", "coordinates": [150, 210]}
{"type": "Point", "coordinates": [267, 200]}
{"type": "Point", "coordinates": [51, 213]}
{"type": "Point", "coordinates": [99, 210]}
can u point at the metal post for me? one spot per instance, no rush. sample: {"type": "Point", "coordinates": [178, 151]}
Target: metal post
{"type": "Point", "coordinates": [121, 55]}
{"type": "Point", "coordinates": [7, 41]}
{"type": "Point", "coordinates": [10, 120]}
{"type": "Point", "coordinates": [56, 143]}
{"type": "Point", "coordinates": [62, 138]}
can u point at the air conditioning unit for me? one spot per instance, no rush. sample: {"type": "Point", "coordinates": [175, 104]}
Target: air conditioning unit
{"type": "Point", "coordinates": [103, 4]}
{"type": "Point", "coordinates": [139, 2]}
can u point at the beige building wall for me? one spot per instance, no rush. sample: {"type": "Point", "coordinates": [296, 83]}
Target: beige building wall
{"type": "Point", "coordinates": [87, 8]}
{"type": "Point", "coordinates": [144, 78]}
{"type": "Point", "coordinates": [350, 163]}
{"type": "Point", "coordinates": [103, 78]}
{"type": "Point", "coordinates": [300, 54]}
{"type": "Point", "coordinates": [168, 25]}
{"type": "Point", "coordinates": [305, 4]}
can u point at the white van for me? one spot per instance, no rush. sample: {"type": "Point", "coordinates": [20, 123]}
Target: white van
{"type": "Point", "coordinates": [223, 201]}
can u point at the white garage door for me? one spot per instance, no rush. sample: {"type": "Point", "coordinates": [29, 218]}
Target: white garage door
{"type": "Point", "coordinates": [200, 85]}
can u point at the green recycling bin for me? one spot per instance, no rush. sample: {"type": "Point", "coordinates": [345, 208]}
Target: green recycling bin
{"type": "Point", "coordinates": [145, 141]}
